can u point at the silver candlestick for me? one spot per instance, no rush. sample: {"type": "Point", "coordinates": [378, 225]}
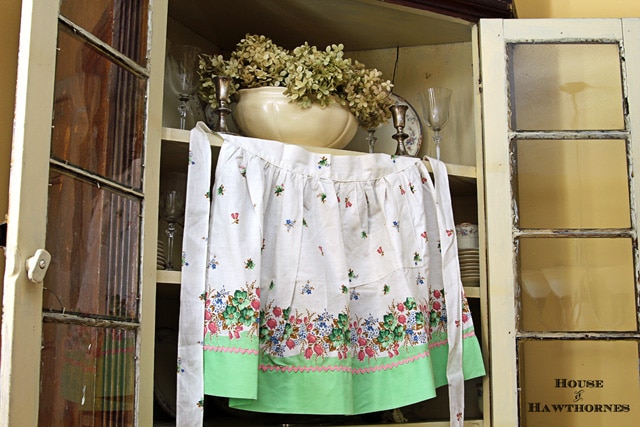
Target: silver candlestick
{"type": "Point", "coordinates": [398, 113]}
{"type": "Point", "coordinates": [222, 96]}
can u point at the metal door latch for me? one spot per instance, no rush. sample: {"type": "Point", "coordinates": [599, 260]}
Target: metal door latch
{"type": "Point", "coordinates": [37, 265]}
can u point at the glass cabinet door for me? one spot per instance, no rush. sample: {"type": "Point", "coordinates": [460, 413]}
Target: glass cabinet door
{"type": "Point", "coordinates": [77, 343]}
{"type": "Point", "coordinates": [559, 98]}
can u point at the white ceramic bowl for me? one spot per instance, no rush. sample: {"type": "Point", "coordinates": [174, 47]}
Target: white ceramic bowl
{"type": "Point", "coordinates": [266, 113]}
{"type": "Point", "coordinates": [467, 236]}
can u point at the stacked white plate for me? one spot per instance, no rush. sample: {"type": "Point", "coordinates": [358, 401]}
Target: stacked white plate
{"type": "Point", "coordinates": [161, 257]}
{"type": "Point", "coordinates": [468, 253]}
{"type": "Point", "coordinates": [469, 266]}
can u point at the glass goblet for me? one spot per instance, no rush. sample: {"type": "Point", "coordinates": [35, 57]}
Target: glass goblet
{"type": "Point", "coordinates": [171, 210]}
{"type": "Point", "coordinates": [183, 63]}
{"type": "Point", "coordinates": [435, 109]}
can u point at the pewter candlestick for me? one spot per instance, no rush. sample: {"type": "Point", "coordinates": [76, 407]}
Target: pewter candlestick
{"type": "Point", "coordinates": [398, 113]}
{"type": "Point", "coordinates": [222, 96]}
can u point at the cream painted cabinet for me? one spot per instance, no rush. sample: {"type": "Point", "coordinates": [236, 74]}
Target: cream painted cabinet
{"type": "Point", "coordinates": [540, 150]}
{"type": "Point", "coordinates": [414, 48]}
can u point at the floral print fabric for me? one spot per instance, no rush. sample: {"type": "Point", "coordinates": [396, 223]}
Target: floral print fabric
{"type": "Point", "coordinates": [324, 275]}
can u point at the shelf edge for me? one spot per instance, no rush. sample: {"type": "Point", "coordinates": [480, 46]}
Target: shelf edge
{"type": "Point", "coordinates": [181, 135]}
{"type": "Point", "coordinates": [168, 277]}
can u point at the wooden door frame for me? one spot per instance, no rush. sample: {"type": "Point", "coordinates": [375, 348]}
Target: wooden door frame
{"type": "Point", "coordinates": [28, 194]}
{"type": "Point", "coordinates": [495, 34]}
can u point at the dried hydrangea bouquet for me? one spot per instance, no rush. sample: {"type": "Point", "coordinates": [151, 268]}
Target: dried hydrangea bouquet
{"type": "Point", "coordinates": [307, 76]}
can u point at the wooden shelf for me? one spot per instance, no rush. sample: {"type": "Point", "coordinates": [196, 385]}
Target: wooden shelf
{"type": "Point", "coordinates": [168, 277]}
{"type": "Point", "coordinates": [180, 135]}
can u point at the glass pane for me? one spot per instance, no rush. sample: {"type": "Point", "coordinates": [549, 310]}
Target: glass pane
{"type": "Point", "coordinates": [93, 237]}
{"type": "Point", "coordinates": [579, 383]}
{"type": "Point", "coordinates": [87, 376]}
{"type": "Point", "coordinates": [565, 87]}
{"type": "Point", "coordinates": [572, 184]}
{"type": "Point", "coordinates": [98, 121]}
{"type": "Point", "coordinates": [115, 22]}
{"type": "Point", "coordinates": [577, 284]}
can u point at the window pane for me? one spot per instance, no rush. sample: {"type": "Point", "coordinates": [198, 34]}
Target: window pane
{"type": "Point", "coordinates": [579, 383]}
{"type": "Point", "coordinates": [577, 284]}
{"type": "Point", "coordinates": [93, 237]}
{"type": "Point", "coordinates": [98, 121]}
{"type": "Point", "coordinates": [572, 184]}
{"type": "Point", "coordinates": [565, 87]}
{"type": "Point", "coordinates": [87, 376]}
{"type": "Point", "coordinates": [115, 22]}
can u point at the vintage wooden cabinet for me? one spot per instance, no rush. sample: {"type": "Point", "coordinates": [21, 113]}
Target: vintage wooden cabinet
{"type": "Point", "coordinates": [536, 104]}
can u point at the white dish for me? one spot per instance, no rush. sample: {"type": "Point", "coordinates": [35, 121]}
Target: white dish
{"type": "Point", "coordinates": [384, 134]}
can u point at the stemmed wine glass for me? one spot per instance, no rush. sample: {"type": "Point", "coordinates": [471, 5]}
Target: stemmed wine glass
{"type": "Point", "coordinates": [183, 67]}
{"type": "Point", "coordinates": [172, 205]}
{"type": "Point", "coordinates": [435, 108]}
{"type": "Point", "coordinates": [371, 139]}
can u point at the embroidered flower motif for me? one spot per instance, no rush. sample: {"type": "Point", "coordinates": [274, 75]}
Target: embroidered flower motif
{"type": "Point", "coordinates": [249, 264]}
{"type": "Point", "coordinates": [402, 191]}
{"type": "Point", "coordinates": [307, 289]}
{"type": "Point", "coordinates": [322, 196]}
{"type": "Point", "coordinates": [304, 223]}
{"type": "Point", "coordinates": [243, 171]}
{"type": "Point", "coordinates": [363, 234]}
{"type": "Point", "coordinates": [344, 289]}
{"type": "Point", "coordinates": [289, 224]}
{"type": "Point", "coordinates": [200, 403]}
{"type": "Point", "coordinates": [323, 162]}
{"type": "Point", "coordinates": [380, 251]}
{"type": "Point", "coordinates": [312, 335]}
{"type": "Point", "coordinates": [279, 190]}
{"type": "Point", "coordinates": [347, 203]}
{"type": "Point", "coordinates": [393, 158]}
{"type": "Point", "coordinates": [354, 296]}
{"type": "Point", "coordinates": [272, 285]}
{"type": "Point", "coordinates": [235, 218]}
{"type": "Point", "coordinates": [396, 225]}
{"type": "Point", "coordinates": [386, 289]}
{"type": "Point", "coordinates": [207, 195]}
{"type": "Point", "coordinates": [449, 232]}
{"type": "Point", "coordinates": [352, 275]}
{"type": "Point", "coordinates": [183, 259]}
{"type": "Point", "coordinates": [232, 314]}
{"type": "Point", "coordinates": [321, 250]}
{"type": "Point", "coordinates": [179, 367]}
{"type": "Point", "coordinates": [220, 190]}
{"type": "Point", "coordinates": [213, 263]}
{"type": "Point", "coordinates": [424, 235]}
{"type": "Point", "coordinates": [420, 279]}
{"type": "Point", "coordinates": [412, 188]}
{"type": "Point", "coordinates": [416, 258]}
{"type": "Point", "coordinates": [191, 161]}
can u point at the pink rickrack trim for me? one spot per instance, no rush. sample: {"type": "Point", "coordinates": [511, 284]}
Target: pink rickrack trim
{"type": "Point", "coordinates": [231, 350]}
{"type": "Point", "coordinates": [348, 369]}
{"type": "Point", "coordinates": [469, 334]}
{"type": "Point", "coordinates": [440, 343]}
